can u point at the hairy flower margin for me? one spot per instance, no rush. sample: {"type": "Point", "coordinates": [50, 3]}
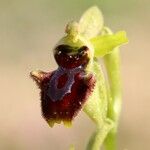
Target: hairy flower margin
{"type": "Point", "coordinates": [78, 83]}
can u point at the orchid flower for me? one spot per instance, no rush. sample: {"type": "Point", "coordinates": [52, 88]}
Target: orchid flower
{"type": "Point", "coordinates": [79, 82]}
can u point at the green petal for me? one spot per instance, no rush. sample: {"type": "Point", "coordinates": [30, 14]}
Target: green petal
{"type": "Point", "coordinates": [104, 44]}
{"type": "Point", "coordinates": [91, 22]}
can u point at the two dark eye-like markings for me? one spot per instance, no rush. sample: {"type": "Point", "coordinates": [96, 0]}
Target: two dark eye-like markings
{"type": "Point", "coordinates": [71, 57]}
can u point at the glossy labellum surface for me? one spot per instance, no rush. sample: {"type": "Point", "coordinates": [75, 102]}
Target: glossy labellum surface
{"type": "Point", "coordinates": [65, 90]}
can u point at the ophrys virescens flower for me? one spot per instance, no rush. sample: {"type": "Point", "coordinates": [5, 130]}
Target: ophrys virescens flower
{"type": "Point", "coordinates": [65, 90]}
{"type": "Point", "coordinates": [78, 82]}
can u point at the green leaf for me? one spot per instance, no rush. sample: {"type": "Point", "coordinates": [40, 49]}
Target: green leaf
{"type": "Point", "coordinates": [104, 44]}
{"type": "Point", "coordinates": [91, 22]}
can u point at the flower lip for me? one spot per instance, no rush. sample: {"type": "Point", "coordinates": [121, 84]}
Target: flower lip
{"type": "Point", "coordinates": [71, 57]}
{"type": "Point", "coordinates": [67, 108]}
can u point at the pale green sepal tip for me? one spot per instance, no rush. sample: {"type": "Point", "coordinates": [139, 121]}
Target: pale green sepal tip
{"type": "Point", "coordinates": [91, 22]}
{"type": "Point", "coordinates": [104, 44]}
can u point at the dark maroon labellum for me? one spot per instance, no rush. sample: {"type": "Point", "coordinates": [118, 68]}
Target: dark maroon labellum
{"type": "Point", "coordinates": [64, 103]}
{"type": "Point", "coordinates": [65, 90]}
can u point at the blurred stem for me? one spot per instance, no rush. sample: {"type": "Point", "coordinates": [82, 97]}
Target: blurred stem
{"type": "Point", "coordinates": [110, 141]}
{"type": "Point", "coordinates": [112, 63]}
{"type": "Point", "coordinates": [99, 136]}
{"type": "Point", "coordinates": [107, 132]}
{"type": "Point", "coordinates": [72, 147]}
{"type": "Point", "coordinates": [96, 108]}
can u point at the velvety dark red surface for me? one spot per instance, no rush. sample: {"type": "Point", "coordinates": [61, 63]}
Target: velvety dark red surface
{"type": "Point", "coordinates": [66, 105]}
{"type": "Point", "coordinates": [64, 59]}
{"type": "Point", "coordinates": [67, 108]}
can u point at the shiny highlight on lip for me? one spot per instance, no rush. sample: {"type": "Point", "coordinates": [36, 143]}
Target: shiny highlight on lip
{"type": "Point", "coordinates": [65, 58]}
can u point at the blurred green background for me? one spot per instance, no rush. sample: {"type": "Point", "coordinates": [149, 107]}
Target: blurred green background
{"type": "Point", "coordinates": [28, 32]}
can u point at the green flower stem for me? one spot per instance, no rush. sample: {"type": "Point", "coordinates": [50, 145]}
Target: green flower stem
{"type": "Point", "coordinates": [104, 104]}
{"type": "Point", "coordinates": [112, 63]}
{"type": "Point", "coordinates": [106, 127]}
{"type": "Point", "coordinates": [106, 113]}
{"type": "Point", "coordinates": [98, 137]}
{"type": "Point", "coordinates": [96, 109]}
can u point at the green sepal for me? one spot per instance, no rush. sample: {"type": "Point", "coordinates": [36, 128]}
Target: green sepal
{"type": "Point", "coordinates": [104, 44]}
{"type": "Point", "coordinates": [91, 22]}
